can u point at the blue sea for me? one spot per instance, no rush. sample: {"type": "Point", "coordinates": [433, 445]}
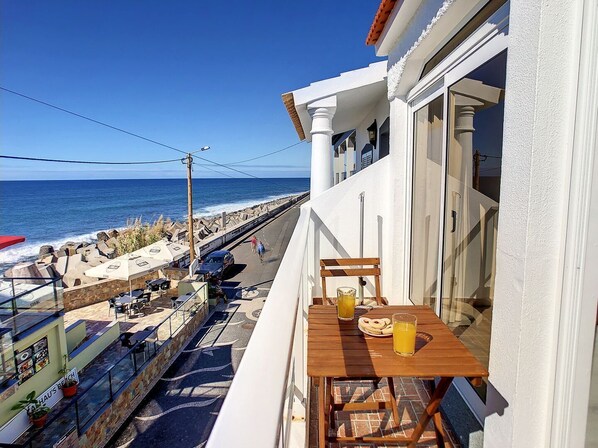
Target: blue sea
{"type": "Point", "coordinates": [53, 212]}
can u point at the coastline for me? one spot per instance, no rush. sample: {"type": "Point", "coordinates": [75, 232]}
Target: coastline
{"type": "Point", "coordinates": [31, 253]}
{"type": "Point", "coordinates": [45, 257]}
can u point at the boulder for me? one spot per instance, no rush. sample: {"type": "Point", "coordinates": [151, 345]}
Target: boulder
{"type": "Point", "coordinates": [27, 272]}
{"type": "Point", "coordinates": [113, 233]}
{"type": "Point", "coordinates": [86, 249]}
{"type": "Point", "coordinates": [49, 259]}
{"type": "Point", "coordinates": [45, 250]}
{"type": "Point", "coordinates": [102, 236]}
{"type": "Point", "coordinates": [76, 276]}
{"type": "Point", "coordinates": [65, 264]}
{"type": "Point", "coordinates": [96, 261]}
{"type": "Point", "coordinates": [48, 271]}
{"type": "Point", "coordinates": [111, 242]}
{"type": "Point", "coordinates": [68, 248]}
{"type": "Point", "coordinates": [105, 250]}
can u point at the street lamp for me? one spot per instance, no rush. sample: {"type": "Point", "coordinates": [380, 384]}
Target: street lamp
{"type": "Point", "coordinates": [189, 160]}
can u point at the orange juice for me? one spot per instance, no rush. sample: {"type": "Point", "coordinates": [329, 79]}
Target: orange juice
{"type": "Point", "coordinates": [346, 306]}
{"type": "Point", "coordinates": [403, 338]}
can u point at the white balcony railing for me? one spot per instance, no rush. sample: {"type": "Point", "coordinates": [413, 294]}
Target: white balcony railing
{"type": "Point", "coordinates": [269, 389]}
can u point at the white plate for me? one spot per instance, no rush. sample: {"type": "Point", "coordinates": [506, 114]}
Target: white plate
{"type": "Point", "coordinates": [364, 331]}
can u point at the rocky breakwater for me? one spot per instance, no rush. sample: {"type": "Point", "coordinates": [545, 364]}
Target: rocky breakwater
{"type": "Point", "coordinates": [70, 261]}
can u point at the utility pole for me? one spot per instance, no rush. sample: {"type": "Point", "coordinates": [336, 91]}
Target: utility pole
{"type": "Point", "coordinates": [189, 160]}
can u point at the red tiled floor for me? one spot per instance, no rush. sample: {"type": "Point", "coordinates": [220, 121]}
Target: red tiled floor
{"type": "Point", "coordinates": [412, 395]}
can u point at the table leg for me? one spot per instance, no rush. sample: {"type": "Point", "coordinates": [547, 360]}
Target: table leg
{"type": "Point", "coordinates": [437, 419]}
{"type": "Point", "coordinates": [431, 410]}
{"type": "Point", "coordinates": [393, 401]}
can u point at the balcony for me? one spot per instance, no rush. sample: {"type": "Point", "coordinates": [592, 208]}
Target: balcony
{"type": "Point", "coordinates": [27, 302]}
{"type": "Point", "coordinates": [348, 220]}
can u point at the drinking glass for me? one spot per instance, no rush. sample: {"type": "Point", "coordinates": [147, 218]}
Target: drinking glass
{"type": "Point", "coordinates": [404, 327]}
{"type": "Point", "coordinates": [345, 303]}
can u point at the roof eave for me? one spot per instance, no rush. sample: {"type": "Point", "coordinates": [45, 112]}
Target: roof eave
{"type": "Point", "coordinates": [289, 102]}
{"type": "Point", "coordinates": [380, 19]}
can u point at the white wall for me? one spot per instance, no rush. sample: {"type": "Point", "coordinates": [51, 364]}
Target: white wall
{"type": "Point", "coordinates": [539, 111]}
{"type": "Point", "coordinates": [334, 228]}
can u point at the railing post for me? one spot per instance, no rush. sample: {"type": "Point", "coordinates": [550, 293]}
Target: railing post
{"type": "Point", "coordinates": [77, 418]}
{"type": "Point", "coordinates": [110, 385]}
{"type": "Point", "coordinates": [134, 358]}
{"type": "Point", "coordinates": [56, 307]}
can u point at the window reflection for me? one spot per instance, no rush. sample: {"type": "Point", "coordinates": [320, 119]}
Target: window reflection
{"type": "Point", "coordinates": [474, 157]}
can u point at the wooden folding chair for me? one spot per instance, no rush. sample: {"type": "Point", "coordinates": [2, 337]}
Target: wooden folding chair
{"type": "Point", "coordinates": [351, 267]}
{"type": "Point", "coordinates": [355, 267]}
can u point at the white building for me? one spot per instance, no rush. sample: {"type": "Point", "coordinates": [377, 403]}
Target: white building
{"type": "Point", "coordinates": [485, 208]}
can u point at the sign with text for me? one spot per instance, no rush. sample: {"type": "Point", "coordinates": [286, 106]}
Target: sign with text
{"type": "Point", "coordinates": [12, 430]}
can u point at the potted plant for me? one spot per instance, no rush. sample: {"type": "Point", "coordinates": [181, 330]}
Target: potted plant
{"type": "Point", "coordinates": [36, 410]}
{"type": "Point", "coordinates": [69, 386]}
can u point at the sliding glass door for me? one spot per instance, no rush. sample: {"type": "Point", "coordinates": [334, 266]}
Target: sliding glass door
{"type": "Point", "coordinates": [457, 155]}
{"type": "Point", "coordinates": [425, 210]}
{"type": "Point", "coordinates": [471, 204]}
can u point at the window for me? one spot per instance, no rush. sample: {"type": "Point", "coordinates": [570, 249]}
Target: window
{"type": "Point", "coordinates": [384, 145]}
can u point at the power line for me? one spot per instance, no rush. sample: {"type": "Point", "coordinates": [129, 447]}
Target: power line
{"type": "Point", "coordinates": [88, 162]}
{"type": "Point", "coordinates": [265, 155]}
{"type": "Point", "coordinates": [92, 120]}
{"type": "Point", "coordinates": [143, 138]}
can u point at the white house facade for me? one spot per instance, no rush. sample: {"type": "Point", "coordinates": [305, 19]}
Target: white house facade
{"type": "Point", "coordinates": [467, 163]}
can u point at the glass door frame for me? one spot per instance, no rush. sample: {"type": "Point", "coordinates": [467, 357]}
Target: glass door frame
{"type": "Point", "coordinates": [475, 51]}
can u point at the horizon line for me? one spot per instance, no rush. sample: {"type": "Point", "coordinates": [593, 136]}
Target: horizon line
{"type": "Point", "coordinates": [152, 178]}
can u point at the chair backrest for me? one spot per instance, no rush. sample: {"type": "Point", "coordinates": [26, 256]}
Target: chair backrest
{"type": "Point", "coordinates": [351, 267]}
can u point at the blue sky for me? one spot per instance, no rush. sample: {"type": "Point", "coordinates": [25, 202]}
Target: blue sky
{"type": "Point", "coordinates": [185, 73]}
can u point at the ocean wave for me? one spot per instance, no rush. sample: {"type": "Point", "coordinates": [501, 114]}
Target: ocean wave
{"type": "Point", "coordinates": [28, 251]}
{"type": "Point", "coordinates": [240, 205]}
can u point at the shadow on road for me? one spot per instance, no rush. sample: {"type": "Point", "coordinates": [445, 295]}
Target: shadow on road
{"type": "Point", "coordinates": [235, 269]}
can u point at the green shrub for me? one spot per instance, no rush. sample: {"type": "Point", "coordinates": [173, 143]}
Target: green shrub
{"type": "Point", "coordinates": [139, 234]}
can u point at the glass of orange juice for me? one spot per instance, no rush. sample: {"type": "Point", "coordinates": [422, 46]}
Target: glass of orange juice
{"type": "Point", "coordinates": [345, 302]}
{"type": "Point", "coordinates": [404, 327]}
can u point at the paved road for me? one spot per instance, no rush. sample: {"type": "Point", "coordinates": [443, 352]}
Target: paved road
{"type": "Point", "coordinates": [181, 410]}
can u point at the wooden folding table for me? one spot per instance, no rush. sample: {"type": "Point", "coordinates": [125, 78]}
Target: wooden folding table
{"type": "Point", "coordinates": [339, 349]}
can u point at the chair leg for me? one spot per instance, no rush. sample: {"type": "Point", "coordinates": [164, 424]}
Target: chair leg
{"type": "Point", "coordinates": [330, 386]}
{"type": "Point", "coordinates": [437, 419]}
{"type": "Point", "coordinates": [322, 423]}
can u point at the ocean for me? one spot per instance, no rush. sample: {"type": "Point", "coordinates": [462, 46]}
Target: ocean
{"type": "Point", "coordinates": [54, 212]}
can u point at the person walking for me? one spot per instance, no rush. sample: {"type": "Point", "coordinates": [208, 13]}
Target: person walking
{"type": "Point", "coordinates": [260, 251]}
{"type": "Point", "coordinates": [253, 243]}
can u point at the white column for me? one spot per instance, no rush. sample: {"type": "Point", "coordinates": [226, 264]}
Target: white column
{"type": "Point", "coordinates": [321, 112]}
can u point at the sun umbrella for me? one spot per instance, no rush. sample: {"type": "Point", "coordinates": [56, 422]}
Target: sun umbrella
{"type": "Point", "coordinates": [164, 250]}
{"type": "Point", "coordinates": [6, 240]}
{"type": "Point", "coordinates": [126, 267]}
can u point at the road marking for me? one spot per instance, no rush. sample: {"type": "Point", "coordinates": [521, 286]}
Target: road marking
{"type": "Point", "coordinates": [224, 323]}
{"type": "Point", "coordinates": [197, 404]}
{"type": "Point", "coordinates": [209, 347]}
{"type": "Point", "coordinates": [193, 372]}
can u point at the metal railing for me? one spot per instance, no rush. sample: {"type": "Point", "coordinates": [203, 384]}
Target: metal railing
{"type": "Point", "coordinates": [30, 302]}
{"type": "Point", "coordinates": [273, 392]}
{"type": "Point", "coordinates": [85, 407]}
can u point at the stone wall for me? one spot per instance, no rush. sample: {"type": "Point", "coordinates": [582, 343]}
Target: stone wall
{"type": "Point", "coordinates": [84, 295]}
{"type": "Point", "coordinates": [115, 414]}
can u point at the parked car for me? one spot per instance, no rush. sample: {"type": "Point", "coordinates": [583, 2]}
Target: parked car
{"type": "Point", "coordinates": [216, 264]}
